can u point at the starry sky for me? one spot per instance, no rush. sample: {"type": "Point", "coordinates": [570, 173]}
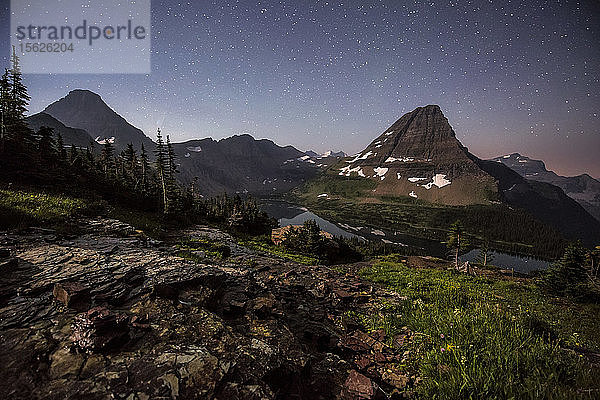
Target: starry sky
{"type": "Point", "coordinates": [511, 76]}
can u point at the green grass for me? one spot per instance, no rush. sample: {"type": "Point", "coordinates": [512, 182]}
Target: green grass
{"type": "Point", "coordinates": [19, 209]}
{"type": "Point", "coordinates": [487, 338]}
{"type": "Point", "coordinates": [200, 250]}
{"type": "Point", "coordinates": [151, 223]}
{"type": "Point", "coordinates": [264, 244]}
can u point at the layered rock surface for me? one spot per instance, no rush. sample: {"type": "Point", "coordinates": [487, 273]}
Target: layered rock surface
{"type": "Point", "coordinates": [111, 314]}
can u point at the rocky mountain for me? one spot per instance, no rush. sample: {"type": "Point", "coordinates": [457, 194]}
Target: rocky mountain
{"type": "Point", "coordinates": [243, 164]}
{"type": "Point", "coordinates": [419, 156]}
{"type": "Point", "coordinates": [582, 188]}
{"type": "Point", "coordinates": [83, 109]}
{"type": "Point", "coordinates": [71, 136]}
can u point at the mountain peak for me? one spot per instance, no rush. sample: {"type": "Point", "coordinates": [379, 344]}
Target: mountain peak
{"type": "Point", "coordinates": [84, 109]}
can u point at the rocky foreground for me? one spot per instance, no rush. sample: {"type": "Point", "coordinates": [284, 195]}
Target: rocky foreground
{"type": "Point", "coordinates": [110, 313]}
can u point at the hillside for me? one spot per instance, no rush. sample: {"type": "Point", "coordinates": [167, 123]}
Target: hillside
{"type": "Point", "coordinates": [71, 136]}
{"type": "Point", "coordinates": [106, 311]}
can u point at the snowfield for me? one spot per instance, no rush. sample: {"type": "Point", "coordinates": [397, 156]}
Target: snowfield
{"type": "Point", "coordinates": [439, 180]}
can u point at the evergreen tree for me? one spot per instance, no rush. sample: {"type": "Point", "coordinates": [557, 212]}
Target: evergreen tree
{"type": "Point", "coordinates": [19, 98]}
{"type": "Point", "coordinates": [569, 273]}
{"type": "Point", "coordinates": [130, 158]}
{"type": "Point", "coordinates": [457, 240]}
{"type": "Point", "coordinates": [107, 158]}
{"type": "Point", "coordinates": [485, 253]}
{"type": "Point", "coordinates": [73, 154]}
{"type": "Point", "coordinates": [46, 144]}
{"type": "Point", "coordinates": [4, 107]}
{"type": "Point", "coordinates": [171, 158]}
{"type": "Point", "coordinates": [145, 168]}
{"type": "Point", "coordinates": [162, 170]}
{"type": "Point", "coordinates": [60, 149]}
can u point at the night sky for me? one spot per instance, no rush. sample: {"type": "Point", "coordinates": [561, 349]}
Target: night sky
{"type": "Point", "coordinates": [511, 76]}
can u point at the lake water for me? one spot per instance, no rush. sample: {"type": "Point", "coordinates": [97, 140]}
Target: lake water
{"type": "Point", "coordinates": [507, 261]}
{"type": "Point", "coordinates": [292, 214]}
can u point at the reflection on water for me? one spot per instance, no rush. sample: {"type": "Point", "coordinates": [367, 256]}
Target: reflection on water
{"type": "Point", "coordinates": [290, 214]}
{"type": "Point", "coordinates": [506, 261]}
{"type": "Point", "coordinates": [323, 224]}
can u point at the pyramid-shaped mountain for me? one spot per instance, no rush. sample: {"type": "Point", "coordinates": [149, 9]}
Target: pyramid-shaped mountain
{"type": "Point", "coordinates": [419, 156]}
{"type": "Point", "coordinates": [83, 109]}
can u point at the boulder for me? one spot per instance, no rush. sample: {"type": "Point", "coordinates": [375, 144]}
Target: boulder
{"type": "Point", "coordinates": [358, 387]}
{"type": "Point", "coordinates": [70, 293]}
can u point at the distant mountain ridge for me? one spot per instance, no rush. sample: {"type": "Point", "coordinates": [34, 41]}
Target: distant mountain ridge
{"type": "Point", "coordinates": [582, 188]}
{"type": "Point", "coordinates": [243, 164]}
{"type": "Point", "coordinates": [327, 154]}
{"type": "Point", "coordinates": [86, 110]}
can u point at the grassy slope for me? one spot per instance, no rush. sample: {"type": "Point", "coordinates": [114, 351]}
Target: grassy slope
{"type": "Point", "coordinates": [488, 338]}
{"type": "Point", "coordinates": [20, 208]}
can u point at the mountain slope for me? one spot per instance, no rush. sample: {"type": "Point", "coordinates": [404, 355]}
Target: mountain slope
{"type": "Point", "coordinates": [546, 202]}
{"type": "Point", "coordinates": [242, 164]}
{"type": "Point", "coordinates": [71, 136]}
{"type": "Point", "coordinates": [582, 188]}
{"type": "Point", "coordinates": [86, 110]}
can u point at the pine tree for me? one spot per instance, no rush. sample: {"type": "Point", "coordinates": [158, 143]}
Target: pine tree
{"type": "Point", "coordinates": [73, 154]}
{"type": "Point", "coordinates": [46, 144]}
{"type": "Point", "coordinates": [107, 158]}
{"type": "Point", "coordinates": [162, 170]}
{"type": "Point", "coordinates": [485, 253]}
{"type": "Point", "coordinates": [60, 149]}
{"type": "Point", "coordinates": [4, 107]}
{"type": "Point", "coordinates": [457, 240]}
{"type": "Point", "coordinates": [130, 158]}
{"type": "Point", "coordinates": [171, 158]}
{"type": "Point", "coordinates": [569, 273]}
{"type": "Point", "coordinates": [145, 167]}
{"type": "Point", "coordinates": [18, 93]}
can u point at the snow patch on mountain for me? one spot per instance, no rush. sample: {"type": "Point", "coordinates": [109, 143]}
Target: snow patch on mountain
{"type": "Point", "coordinates": [110, 140]}
{"type": "Point", "coordinates": [438, 180]}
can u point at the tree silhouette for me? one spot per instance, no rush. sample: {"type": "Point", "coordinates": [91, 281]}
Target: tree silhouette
{"type": "Point", "coordinates": [457, 240]}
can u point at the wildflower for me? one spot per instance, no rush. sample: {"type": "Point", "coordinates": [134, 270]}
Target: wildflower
{"type": "Point", "coordinates": [442, 335]}
{"type": "Point", "coordinates": [442, 349]}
